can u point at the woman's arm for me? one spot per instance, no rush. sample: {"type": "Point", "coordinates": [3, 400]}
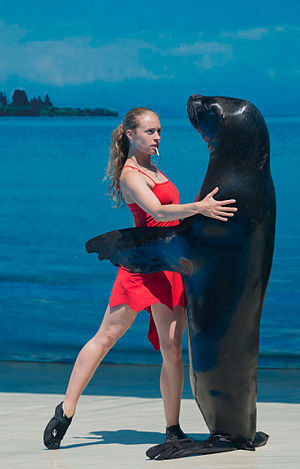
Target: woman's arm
{"type": "Point", "coordinates": [134, 186]}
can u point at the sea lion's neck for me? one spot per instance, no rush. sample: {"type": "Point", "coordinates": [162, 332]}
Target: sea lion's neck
{"type": "Point", "coordinates": [229, 167]}
{"type": "Point", "coordinates": [243, 154]}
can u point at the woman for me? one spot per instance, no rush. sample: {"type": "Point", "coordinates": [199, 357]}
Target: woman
{"type": "Point", "coordinates": [154, 201]}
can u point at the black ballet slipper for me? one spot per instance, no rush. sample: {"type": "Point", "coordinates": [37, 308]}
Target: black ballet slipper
{"type": "Point", "coordinates": [56, 428]}
{"type": "Point", "coordinates": [175, 433]}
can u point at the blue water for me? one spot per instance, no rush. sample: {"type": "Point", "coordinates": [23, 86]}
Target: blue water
{"type": "Point", "coordinates": [53, 294]}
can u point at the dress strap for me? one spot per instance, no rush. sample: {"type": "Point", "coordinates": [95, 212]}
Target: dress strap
{"type": "Point", "coordinates": [128, 166]}
{"type": "Point", "coordinates": [162, 173]}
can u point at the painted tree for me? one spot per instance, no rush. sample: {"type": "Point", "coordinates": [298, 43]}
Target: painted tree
{"type": "Point", "coordinates": [19, 98]}
{"type": "Point", "coordinates": [3, 99]}
{"type": "Point", "coordinates": [47, 101]}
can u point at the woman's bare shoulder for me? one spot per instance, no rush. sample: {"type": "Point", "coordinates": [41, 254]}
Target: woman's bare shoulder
{"type": "Point", "coordinates": [129, 173]}
{"type": "Point", "coordinates": [130, 177]}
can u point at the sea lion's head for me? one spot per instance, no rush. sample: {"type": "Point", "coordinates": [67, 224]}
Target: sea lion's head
{"type": "Point", "coordinates": [229, 123]}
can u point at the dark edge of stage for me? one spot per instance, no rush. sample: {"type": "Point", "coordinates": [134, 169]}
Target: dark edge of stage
{"type": "Point", "coordinates": [274, 385]}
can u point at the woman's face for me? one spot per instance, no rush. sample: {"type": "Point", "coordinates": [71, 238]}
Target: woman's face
{"type": "Point", "coordinates": [146, 137]}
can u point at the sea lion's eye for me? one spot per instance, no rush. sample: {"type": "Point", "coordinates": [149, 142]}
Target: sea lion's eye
{"type": "Point", "coordinates": [208, 103]}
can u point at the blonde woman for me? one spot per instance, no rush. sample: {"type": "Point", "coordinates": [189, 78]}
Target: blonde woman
{"type": "Point", "coordinates": [153, 201]}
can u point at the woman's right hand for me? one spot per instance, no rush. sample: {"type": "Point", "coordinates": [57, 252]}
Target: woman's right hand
{"type": "Point", "coordinates": [216, 208]}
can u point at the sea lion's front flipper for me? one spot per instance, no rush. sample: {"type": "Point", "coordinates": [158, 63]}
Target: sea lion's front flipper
{"type": "Point", "coordinates": [144, 250]}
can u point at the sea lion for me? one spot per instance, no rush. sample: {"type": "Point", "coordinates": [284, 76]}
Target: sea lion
{"type": "Point", "coordinates": [226, 267]}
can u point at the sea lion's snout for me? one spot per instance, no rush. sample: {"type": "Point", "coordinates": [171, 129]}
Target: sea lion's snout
{"type": "Point", "coordinates": [195, 97]}
{"type": "Point", "coordinates": [194, 104]}
{"type": "Point", "coordinates": [204, 114]}
{"type": "Point", "coordinates": [194, 109]}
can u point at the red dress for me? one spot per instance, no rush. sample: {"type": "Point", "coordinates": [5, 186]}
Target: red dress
{"type": "Point", "coordinates": [140, 291]}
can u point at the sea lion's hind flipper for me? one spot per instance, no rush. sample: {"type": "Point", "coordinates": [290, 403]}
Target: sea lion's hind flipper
{"type": "Point", "coordinates": [260, 439]}
{"type": "Point", "coordinates": [185, 448]}
{"type": "Point", "coordinates": [143, 250]}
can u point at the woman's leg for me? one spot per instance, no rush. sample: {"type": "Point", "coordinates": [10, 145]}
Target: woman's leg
{"type": "Point", "coordinates": [115, 323]}
{"type": "Point", "coordinates": [170, 326]}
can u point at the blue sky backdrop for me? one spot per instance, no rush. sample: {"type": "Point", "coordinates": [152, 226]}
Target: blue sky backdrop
{"type": "Point", "coordinates": [124, 54]}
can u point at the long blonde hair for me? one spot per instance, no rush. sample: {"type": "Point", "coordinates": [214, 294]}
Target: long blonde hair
{"type": "Point", "coordinates": [119, 149]}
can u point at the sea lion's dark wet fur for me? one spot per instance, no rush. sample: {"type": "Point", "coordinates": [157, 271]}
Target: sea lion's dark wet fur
{"type": "Point", "coordinates": [226, 267]}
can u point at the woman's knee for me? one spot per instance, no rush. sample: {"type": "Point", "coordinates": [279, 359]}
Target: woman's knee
{"type": "Point", "coordinates": [106, 337]}
{"type": "Point", "coordinates": [171, 351]}
{"type": "Point", "coordinates": [115, 323]}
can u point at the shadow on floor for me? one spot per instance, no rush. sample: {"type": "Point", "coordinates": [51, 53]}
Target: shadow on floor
{"type": "Point", "coordinates": [125, 437]}
{"type": "Point", "coordinates": [274, 385]}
